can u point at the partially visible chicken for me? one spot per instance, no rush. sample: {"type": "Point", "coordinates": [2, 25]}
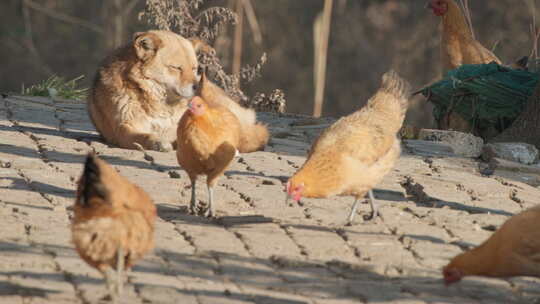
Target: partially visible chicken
{"type": "Point", "coordinates": [458, 46]}
{"type": "Point", "coordinates": [253, 135]}
{"type": "Point", "coordinates": [513, 250]}
{"type": "Point", "coordinates": [355, 153]}
{"type": "Point", "coordinates": [520, 64]}
{"type": "Point", "coordinates": [209, 136]}
{"type": "Point", "coordinates": [113, 226]}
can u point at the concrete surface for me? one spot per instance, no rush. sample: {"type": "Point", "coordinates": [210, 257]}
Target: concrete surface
{"type": "Point", "coordinates": [259, 250]}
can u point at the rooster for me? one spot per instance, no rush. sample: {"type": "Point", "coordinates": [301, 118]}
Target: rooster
{"type": "Point", "coordinates": [356, 152]}
{"type": "Point", "coordinates": [209, 137]}
{"type": "Point", "coordinates": [113, 224]}
{"type": "Point", "coordinates": [513, 250]}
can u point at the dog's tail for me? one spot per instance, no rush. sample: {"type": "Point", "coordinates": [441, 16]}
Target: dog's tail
{"type": "Point", "coordinates": [253, 138]}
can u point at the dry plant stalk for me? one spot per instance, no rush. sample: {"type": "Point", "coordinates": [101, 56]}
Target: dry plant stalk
{"type": "Point", "coordinates": [467, 11]}
{"type": "Point", "coordinates": [535, 35]}
{"type": "Point", "coordinates": [185, 18]}
{"type": "Point", "coordinates": [321, 54]}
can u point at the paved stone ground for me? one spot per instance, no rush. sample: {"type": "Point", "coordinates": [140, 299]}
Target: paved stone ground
{"type": "Point", "coordinates": [259, 250]}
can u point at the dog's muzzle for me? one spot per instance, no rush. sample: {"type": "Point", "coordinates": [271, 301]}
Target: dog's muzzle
{"type": "Point", "coordinates": [186, 91]}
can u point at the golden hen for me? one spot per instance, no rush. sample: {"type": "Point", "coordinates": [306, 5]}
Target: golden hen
{"type": "Point", "coordinates": [356, 152]}
{"type": "Point", "coordinates": [113, 224]}
{"type": "Point", "coordinates": [513, 250]}
{"type": "Point", "coordinates": [458, 46]}
{"type": "Point", "coordinates": [209, 137]}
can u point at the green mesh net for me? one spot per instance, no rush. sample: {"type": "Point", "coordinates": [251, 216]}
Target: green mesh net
{"type": "Point", "coordinates": [483, 94]}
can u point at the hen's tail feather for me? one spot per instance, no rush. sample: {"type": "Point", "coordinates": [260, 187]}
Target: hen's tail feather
{"type": "Point", "coordinates": [253, 138]}
{"type": "Point", "coordinates": [91, 184]}
{"type": "Point", "coordinates": [396, 86]}
{"type": "Point", "coordinates": [399, 89]}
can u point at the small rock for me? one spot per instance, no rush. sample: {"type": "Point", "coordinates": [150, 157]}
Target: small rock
{"type": "Point", "coordinates": [463, 144]}
{"type": "Point", "coordinates": [414, 191]}
{"type": "Point", "coordinates": [409, 132]}
{"type": "Point", "coordinates": [489, 227]}
{"type": "Point", "coordinates": [174, 174]}
{"type": "Point", "coordinates": [148, 157]}
{"type": "Point", "coordinates": [283, 178]}
{"type": "Point", "coordinates": [518, 152]}
{"type": "Point", "coordinates": [428, 148]}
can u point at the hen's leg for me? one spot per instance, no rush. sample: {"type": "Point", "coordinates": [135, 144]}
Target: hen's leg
{"type": "Point", "coordinates": [109, 274]}
{"type": "Point", "coordinates": [193, 203]}
{"type": "Point", "coordinates": [210, 209]}
{"type": "Point", "coordinates": [120, 259]}
{"type": "Point", "coordinates": [374, 207]}
{"type": "Point", "coordinates": [353, 211]}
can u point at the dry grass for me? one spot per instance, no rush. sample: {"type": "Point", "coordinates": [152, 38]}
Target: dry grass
{"type": "Point", "coordinates": [535, 35]}
{"type": "Point", "coordinates": [186, 18]}
{"type": "Point", "coordinates": [55, 86]}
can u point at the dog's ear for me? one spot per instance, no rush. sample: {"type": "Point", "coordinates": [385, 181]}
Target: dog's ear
{"type": "Point", "coordinates": [200, 46]}
{"type": "Point", "coordinates": [146, 44]}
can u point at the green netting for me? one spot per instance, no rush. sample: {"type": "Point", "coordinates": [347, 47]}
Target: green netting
{"type": "Point", "coordinates": [483, 94]}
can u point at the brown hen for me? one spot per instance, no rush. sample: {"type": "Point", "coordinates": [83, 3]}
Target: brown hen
{"type": "Point", "coordinates": [113, 224]}
{"type": "Point", "coordinates": [209, 137]}
{"type": "Point", "coordinates": [513, 250]}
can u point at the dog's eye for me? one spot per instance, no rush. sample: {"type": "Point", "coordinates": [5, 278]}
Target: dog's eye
{"type": "Point", "coordinates": [179, 68]}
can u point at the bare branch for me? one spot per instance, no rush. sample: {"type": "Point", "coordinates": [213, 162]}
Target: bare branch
{"type": "Point", "coordinates": [238, 31]}
{"type": "Point", "coordinates": [252, 20]}
{"type": "Point", "coordinates": [129, 7]}
{"type": "Point", "coordinates": [29, 39]}
{"type": "Point", "coordinates": [321, 50]}
{"type": "Point", "coordinates": [64, 17]}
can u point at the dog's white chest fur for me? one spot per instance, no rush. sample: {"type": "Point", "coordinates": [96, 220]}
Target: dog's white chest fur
{"type": "Point", "coordinates": [165, 123]}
